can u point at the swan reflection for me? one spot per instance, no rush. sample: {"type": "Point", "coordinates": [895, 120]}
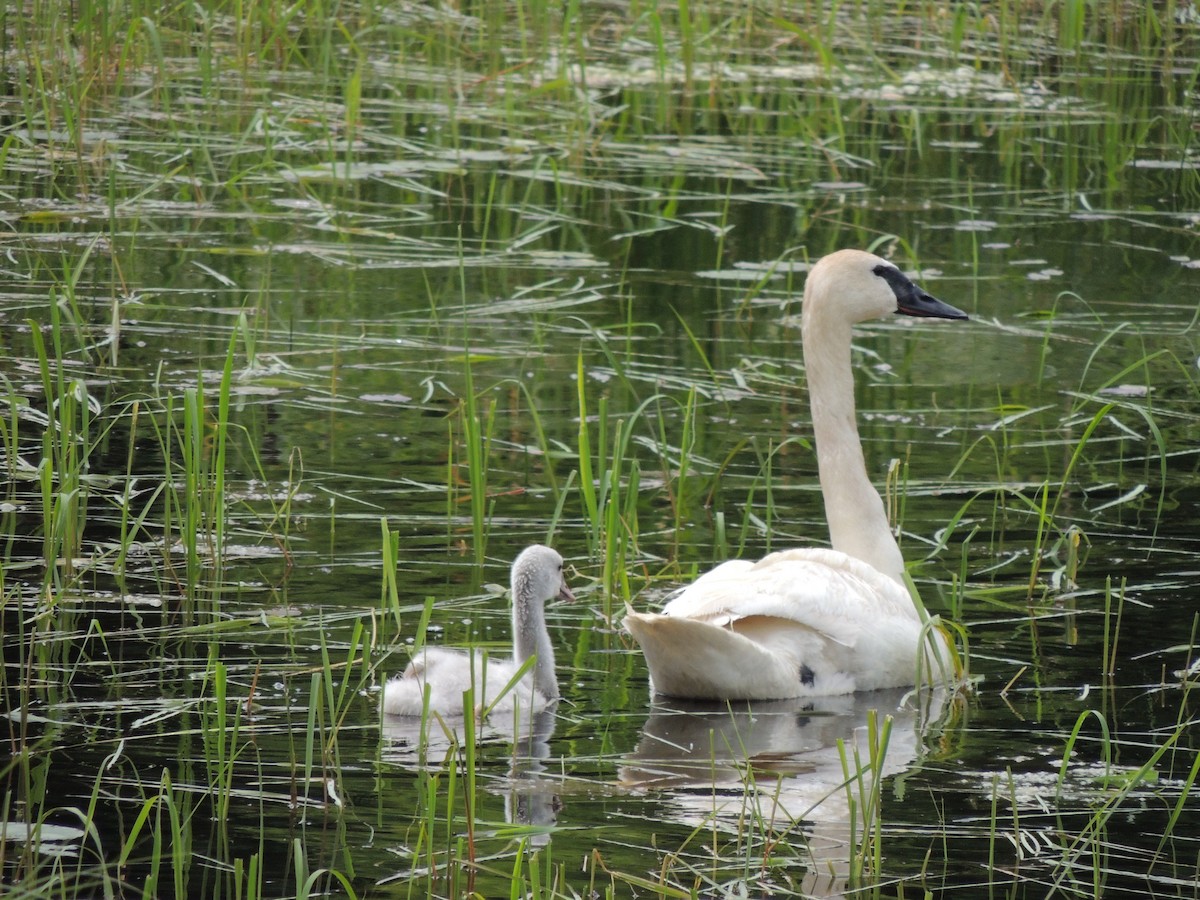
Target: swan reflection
{"type": "Point", "coordinates": [779, 766]}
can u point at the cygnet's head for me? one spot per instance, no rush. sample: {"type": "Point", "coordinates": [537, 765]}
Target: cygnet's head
{"type": "Point", "coordinates": [857, 286]}
{"type": "Point", "coordinates": [537, 576]}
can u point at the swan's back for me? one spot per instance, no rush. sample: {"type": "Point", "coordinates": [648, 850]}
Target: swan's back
{"type": "Point", "coordinates": [831, 592]}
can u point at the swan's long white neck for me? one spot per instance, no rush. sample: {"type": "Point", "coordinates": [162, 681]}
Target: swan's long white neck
{"type": "Point", "coordinates": [858, 524]}
{"type": "Point", "coordinates": [530, 636]}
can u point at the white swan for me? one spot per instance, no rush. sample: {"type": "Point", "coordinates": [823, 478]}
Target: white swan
{"type": "Point", "coordinates": [808, 622]}
{"type": "Point", "coordinates": [537, 576]}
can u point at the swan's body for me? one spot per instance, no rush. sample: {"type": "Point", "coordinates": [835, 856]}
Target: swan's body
{"type": "Point", "coordinates": [809, 622]}
{"type": "Point", "coordinates": [537, 576]}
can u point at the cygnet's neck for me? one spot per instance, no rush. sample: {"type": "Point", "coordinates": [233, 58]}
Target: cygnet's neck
{"type": "Point", "coordinates": [858, 524]}
{"type": "Point", "coordinates": [530, 638]}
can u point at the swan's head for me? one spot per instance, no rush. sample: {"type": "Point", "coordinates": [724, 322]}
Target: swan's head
{"type": "Point", "coordinates": [857, 286]}
{"type": "Point", "coordinates": [537, 576]}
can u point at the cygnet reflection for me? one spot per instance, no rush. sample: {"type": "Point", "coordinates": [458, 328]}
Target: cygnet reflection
{"type": "Point", "coordinates": [777, 763]}
{"type": "Point", "coordinates": [530, 797]}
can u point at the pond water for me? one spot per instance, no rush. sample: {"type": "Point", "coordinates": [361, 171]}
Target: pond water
{"type": "Point", "coordinates": [292, 307]}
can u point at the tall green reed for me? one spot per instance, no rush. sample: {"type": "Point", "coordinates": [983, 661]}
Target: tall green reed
{"type": "Point", "coordinates": [64, 465]}
{"type": "Point", "coordinates": [864, 795]}
{"type": "Point", "coordinates": [477, 430]}
{"type": "Point", "coordinates": [609, 483]}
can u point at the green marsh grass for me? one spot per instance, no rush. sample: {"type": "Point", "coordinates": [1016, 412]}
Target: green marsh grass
{"type": "Point", "coordinates": [864, 785]}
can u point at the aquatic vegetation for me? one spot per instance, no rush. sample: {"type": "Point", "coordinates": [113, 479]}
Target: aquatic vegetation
{"type": "Point", "coordinates": [313, 315]}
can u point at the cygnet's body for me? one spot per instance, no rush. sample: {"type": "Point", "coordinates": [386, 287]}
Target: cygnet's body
{"type": "Point", "coordinates": [809, 622]}
{"type": "Point", "coordinates": [537, 576]}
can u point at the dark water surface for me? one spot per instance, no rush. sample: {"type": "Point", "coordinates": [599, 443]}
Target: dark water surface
{"type": "Point", "coordinates": [651, 238]}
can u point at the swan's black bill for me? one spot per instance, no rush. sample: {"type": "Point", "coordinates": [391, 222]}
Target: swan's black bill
{"type": "Point", "coordinates": [931, 307]}
{"type": "Point", "coordinates": [912, 301]}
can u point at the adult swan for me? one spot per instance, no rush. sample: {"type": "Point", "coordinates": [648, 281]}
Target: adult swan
{"type": "Point", "coordinates": [809, 622]}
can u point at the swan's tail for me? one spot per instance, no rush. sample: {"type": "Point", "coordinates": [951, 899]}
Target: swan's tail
{"type": "Point", "coordinates": [690, 658]}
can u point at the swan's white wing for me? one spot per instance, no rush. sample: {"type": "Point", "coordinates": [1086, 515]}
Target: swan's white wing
{"type": "Point", "coordinates": [825, 591]}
